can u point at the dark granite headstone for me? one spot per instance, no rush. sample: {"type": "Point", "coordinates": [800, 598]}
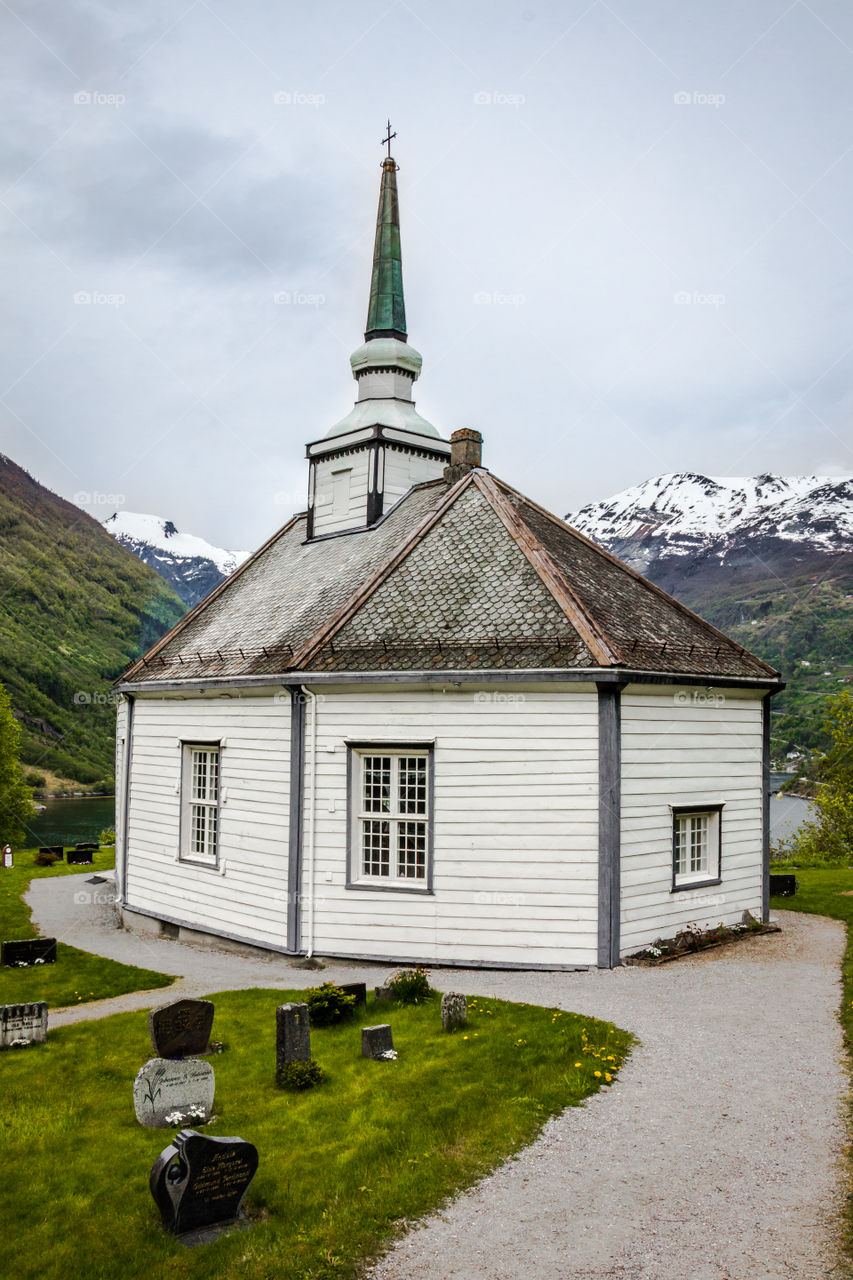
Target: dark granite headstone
{"type": "Point", "coordinates": [198, 1181]}
{"type": "Point", "coordinates": [56, 850]}
{"type": "Point", "coordinates": [292, 1035]}
{"type": "Point", "coordinates": [23, 1023]}
{"type": "Point", "coordinates": [376, 1041]}
{"type": "Point", "coordinates": [783, 886]}
{"type": "Point", "coordinates": [454, 1010]}
{"type": "Point", "coordinates": [19, 954]}
{"type": "Point", "coordinates": [181, 1028]}
{"type": "Point", "coordinates": [90, 846]}
{"type": "Point", "coordinates": [79, 857]}
{"type": "Point", "coordinates": [357, 989]}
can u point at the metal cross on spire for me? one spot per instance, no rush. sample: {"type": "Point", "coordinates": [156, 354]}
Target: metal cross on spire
{"type": "Point", "coordinates": [387, 139]}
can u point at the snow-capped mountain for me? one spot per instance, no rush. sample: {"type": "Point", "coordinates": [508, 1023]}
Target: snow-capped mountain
{"type": "Point", "coordinates": [192, 565]}
{"type": "Point", "coordinates": [715, 522]}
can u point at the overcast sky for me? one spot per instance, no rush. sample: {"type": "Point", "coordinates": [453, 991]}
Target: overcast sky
{"type": "Point", "coordinates": [627, 241]}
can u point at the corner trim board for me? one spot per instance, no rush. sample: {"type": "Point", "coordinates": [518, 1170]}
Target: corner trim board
{"type": "Point", "coordinates": [609, 823]}
{"type": "Point", "coordinates": [765, 807]}
{"type": "Point", "coordinates": [296, 811]}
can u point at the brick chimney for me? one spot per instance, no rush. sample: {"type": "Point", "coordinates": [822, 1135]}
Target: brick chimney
{"type": "Point", "coordinates": [466, 452]}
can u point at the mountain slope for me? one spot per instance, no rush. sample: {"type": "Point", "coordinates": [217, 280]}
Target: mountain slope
{"type": "Point", "coordinates": [768, 559]}
{"type": "Point", "coordinates": [75, 607]}
{"type": "Point", "coordinates": [192, 566]}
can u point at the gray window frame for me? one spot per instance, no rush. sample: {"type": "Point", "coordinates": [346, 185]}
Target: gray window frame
{"type": "Point", "coordinates": [187, 746]}
{"type": "Point", "coordinates": [353, 854]}
{"type": "Point", "coordinates": [686, 811]}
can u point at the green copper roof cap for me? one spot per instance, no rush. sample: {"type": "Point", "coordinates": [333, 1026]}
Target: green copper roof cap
{"type": "Point", "coordinates": [386, 314]}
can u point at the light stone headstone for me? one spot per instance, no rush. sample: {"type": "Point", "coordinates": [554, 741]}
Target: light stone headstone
{"type": "Point", "coordinates": [383, 995]}
{"type": "Point", "coordinates": [376, 1041]}
{"type": "Point", "coordinates": [170, 1094]}
{"type": "Point", "coordinates": [292, 1034]}
{"type": "Point", "coordinates": [454, 1010]}
{"type": "Point", "coordinates": [23, 1022]}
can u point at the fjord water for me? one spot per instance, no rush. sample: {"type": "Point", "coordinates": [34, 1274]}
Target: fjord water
{"type": "Point", "coordinates": [71, 821]}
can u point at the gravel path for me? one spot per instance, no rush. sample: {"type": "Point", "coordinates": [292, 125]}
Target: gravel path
{"type": "Point", "coordinates": [717, 1156]}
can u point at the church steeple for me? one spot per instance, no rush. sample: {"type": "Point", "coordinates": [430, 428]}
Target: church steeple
{"type": "Point", "coordinates": [383, 446]}
{"type": "Point", "coordinates": [386, 313]}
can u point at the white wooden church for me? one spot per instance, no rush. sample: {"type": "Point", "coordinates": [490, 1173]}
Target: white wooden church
{"type": "Point", "coordinates": [428, 721]}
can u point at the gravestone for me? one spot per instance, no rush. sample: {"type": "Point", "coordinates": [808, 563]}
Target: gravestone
{"type": "Point", "coordinates": [27, 1022]}
{"type": "Point", "coordinates": [79, 857]}
{"type": "Point", "coordinates": [88, 846]}
{"type": "Point", "coordinates": [292, 1035]}
{"type": "Point", "coordinates": [8, 856]}
{"type": "Point", "coordinates": [28, 951]}
{"type": "Point", "coordinates": [383, 995]}
{"type": "Point", "coordinates": [56, 850]}
{"type": "Point", "coordinates": [199, 1181]}
{"type": "Point", "coordinates": [376, 1041]}
{"type": "Point", "coordinates": [783, 886]}
{"type": "Point", "coordinates": [454, 1010]}
{"type": "Point", "coordinates": [182, 1028]}
{"type": "Point", "coordinates": [357, 989]}
{"type": "Point", "coordinates": [169, 1093]}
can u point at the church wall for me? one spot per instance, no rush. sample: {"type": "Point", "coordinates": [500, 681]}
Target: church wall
{"type": "Point", "coordinates": [247, 894]}
{"type": "Point", "coordinates": [688, 746]}
{"type": "Point", "coordinates": [340, 491]}
{"type": "Point", "coordinates": [402, 470]}
{"type": "Point", "coordinates": [516, 826]}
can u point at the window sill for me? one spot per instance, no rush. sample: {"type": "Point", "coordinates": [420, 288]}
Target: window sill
{"type": "Point", "coordinates": [389, 888]}
{"type": "Point", "coordinates": [695, 884]}
{"type": "Point", "coordinates": [202, 866]}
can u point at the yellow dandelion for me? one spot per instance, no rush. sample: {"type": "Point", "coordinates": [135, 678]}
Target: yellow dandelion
{"type": "Point", "coordinates": [464, 1037]}
{"type": "Point", "coordinates": [608, 1077]}
{"type": "Point", "coordinates": [578, 1064]}
{"type": "Point", "coordinates": [597, 1073]}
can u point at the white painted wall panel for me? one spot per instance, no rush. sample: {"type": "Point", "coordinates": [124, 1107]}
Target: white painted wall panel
{"type": "Point", "coordinates": [516, 826]}
{"type": "Point", "coordinates": [247, 894]}
{"type": "Point", "coordinates": [686, 746]}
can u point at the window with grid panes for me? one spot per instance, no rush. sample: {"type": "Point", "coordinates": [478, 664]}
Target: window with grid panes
{"type": "Point", "coordinates": [201, 784]}
{"type": "Point", "coordinates": [696, 847]}
{"type": "Point", "coordinates": [392, 815]}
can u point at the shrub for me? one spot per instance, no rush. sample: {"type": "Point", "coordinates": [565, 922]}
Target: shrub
{"type": "Point", "coordinates": [35, 780]}
{"type": "Point", "coordinates": [107, 837]}
{"type": "Point", "coordinates": [328, 1004]}
{"type": "Point", "coordinates": [45, 859]}
{"type": "Point", "coordinates": [300, 1075]}
{"type": "Point", "coordinates": [410, 986]}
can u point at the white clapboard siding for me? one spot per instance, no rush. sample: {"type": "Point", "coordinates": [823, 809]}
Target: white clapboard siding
{"type": "Point", "coordinates": [404, 469]}
{"type": "Point", "coordinates": [688, 746]}
{"type": "Point", "coordinates": [247, 894]}
{"type": "Point", "coordinates": [516, 826]}
{"type": "Point", "coordinates": [337, 508]}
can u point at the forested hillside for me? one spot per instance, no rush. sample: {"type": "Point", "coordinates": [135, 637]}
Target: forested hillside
{"type": "Point", "coordinates": [75, 607]}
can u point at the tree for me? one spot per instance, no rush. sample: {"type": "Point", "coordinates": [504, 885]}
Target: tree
{"type": "Point", "coordinates": [829, 836]}
{"type": "Point", "coordinates": [16, 798]}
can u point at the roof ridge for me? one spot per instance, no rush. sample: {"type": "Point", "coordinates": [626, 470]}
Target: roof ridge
{"type": "Point", "coordinates": [599, 644]}
{"type": "Point", "coordinates": [363, 593]}
{"type": "Point", "coordinates": [626, 568]}
{"type": "Point", "coordinates": [208, 599]}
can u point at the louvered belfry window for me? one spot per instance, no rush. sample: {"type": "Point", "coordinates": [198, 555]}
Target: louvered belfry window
{"type": "Point", "coordinates": [393, 816]}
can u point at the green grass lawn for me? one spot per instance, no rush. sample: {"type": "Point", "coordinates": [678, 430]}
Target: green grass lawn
{"type": "Point", "coordinates": [77, 976]}
{"type": "Point", "coordinates": [341, 1166]}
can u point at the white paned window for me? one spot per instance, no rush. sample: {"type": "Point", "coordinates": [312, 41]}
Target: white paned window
{"type": "Point", "coordinates": [696, 847]}
{"type": "Point", "coordinates": [201, 803]}
{"type": "Point", "coordinates": [391, 817]}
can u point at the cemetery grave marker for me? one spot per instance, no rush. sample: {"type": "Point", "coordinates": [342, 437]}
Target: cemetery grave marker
{"type": "Point", "coordinates": [166, 1092]}
{"type": "Point", "coordinates": [377, 1042]}
{"type": "Point", "coordinates": [292, 1035]}
{"type": "Point", "coordinates": [199, 1181]}
{"type": "Point", "coordinates": [454, 1010]}
{"type": "Point", "coordinates": [23, 1023]}
{"type": "Point", "coordinates": [181, 1028]}
{"type": "Point", "coordinates": [21, 953]}
{"type": "Point", "coordinates": [357, 989]}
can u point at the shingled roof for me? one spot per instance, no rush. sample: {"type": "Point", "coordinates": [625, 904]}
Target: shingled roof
{"type": "Point", "coordinates": [469, 576]}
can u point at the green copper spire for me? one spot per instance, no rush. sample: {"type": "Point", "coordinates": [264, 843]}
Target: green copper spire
{"type": "Point", "coordinates": [386, 315]}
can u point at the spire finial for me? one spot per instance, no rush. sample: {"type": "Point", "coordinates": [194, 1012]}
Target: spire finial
{"type": "Point", "coordinates": [386, 313]}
